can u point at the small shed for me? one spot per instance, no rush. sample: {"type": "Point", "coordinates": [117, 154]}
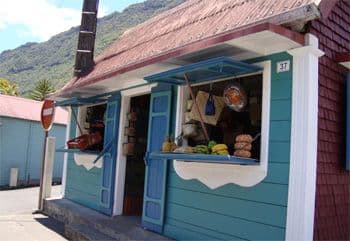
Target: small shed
{"type": "Point", "coordinates": [22, 139]}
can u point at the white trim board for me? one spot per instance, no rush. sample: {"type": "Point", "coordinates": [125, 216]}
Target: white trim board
{"type": "Point", "coordinates": [65, 155]}
{"type": "Point", "coordinates": [121, 159]}
{"type": "Point", "coordinates": [216, 175]}
{"type": "Point", "coordinates": [303, 153]}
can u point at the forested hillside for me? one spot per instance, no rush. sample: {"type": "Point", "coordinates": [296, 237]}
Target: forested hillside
{"type": "Point", "coordinates": [54, 59]}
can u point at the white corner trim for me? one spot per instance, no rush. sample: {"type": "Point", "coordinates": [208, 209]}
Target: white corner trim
{"type": "Point", "coordinates": [121, 159]}
{"type": "Point", "coordinates": [216, 175]}
{"type": "Point", "coordinates": [303, 153]}
{"type": "Point", "coordinates": [65, 155]}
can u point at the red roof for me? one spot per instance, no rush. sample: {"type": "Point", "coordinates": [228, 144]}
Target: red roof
{"type": "Point", "coordinates": [188, 23]}
{"type": "Point", "coordinates": [16, 107]}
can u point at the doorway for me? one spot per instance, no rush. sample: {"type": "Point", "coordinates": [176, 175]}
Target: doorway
{"type": "Point", "coordinates": [134, 149]}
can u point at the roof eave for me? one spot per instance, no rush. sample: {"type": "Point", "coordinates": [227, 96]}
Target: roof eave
{"type": "Point", "coordinates": [192, 47]}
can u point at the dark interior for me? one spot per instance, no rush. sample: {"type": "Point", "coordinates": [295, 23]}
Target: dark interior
{"type": "Point", "coordinates": [135, 166]}
{"type": "Point", "coordinates": [232, 123]}
{"type": "Point", "coordinates": [95, 116]}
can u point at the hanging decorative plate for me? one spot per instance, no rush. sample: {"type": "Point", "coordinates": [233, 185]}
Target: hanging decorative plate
{"type": "Point", "coordinates": [235, 97]}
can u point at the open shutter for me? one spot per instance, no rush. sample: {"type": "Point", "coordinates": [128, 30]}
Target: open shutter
{"type": "Point", "coordinates": [156, 169]}
{"type": "Point", "coordinates": [109, 159]}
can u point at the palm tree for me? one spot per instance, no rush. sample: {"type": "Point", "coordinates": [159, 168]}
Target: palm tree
{"type": "Point", "coordinates": [41, 89]}
{"type": "Point", "coordinates": [7, 88]}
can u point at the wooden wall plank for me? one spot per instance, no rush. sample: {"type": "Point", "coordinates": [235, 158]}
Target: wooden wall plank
{"type": "Point", "coordinates": [279, 152]}
{"type": "Point", "coordinates": [225, 224]}
{"type": "Point", "coordinates": [281, 110]}
{"type": "Point", "coordinates": [196, 232]}
{"type": "Point", "coordinates": [280, 131]}
{"type": "Point", "coordinates": [277, 193]}
{"type": "Point", "coordinates": [247, 210]}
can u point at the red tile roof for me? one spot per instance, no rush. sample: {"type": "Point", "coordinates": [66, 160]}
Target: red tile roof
{"type": "Point", "coordinates": [16, 107]}
{"type": "Point", "coordinates": [190, 22]}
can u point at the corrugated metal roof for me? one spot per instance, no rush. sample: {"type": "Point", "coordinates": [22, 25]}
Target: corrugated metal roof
{"type": "Point", "coordinates": [16, 107]}
{"type": "Point", "coordinates": [187, 23]}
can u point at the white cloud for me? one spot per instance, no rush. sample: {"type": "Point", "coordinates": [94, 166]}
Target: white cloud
{"type": "Point", "coordinates": [40, 18]}
{"type": "Point", "coordinates": [102, 11]}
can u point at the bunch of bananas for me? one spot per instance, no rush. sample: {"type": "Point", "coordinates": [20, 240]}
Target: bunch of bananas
{"type": "Point", "coordinates": [188, 149]}
{"type": "Point", "coordinates": [220, 149]}
{"type": "Point", "coordinates": [202, 149]}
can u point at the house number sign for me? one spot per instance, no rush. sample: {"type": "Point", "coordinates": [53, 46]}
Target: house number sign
{"type": "Point", "coordinates": [283, 66]}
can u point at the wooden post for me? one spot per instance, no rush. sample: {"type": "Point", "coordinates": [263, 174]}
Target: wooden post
{"type": "Point", "coordinates": [40, 202]}
{"type": "Point", "coordinates": [197, 107]}
{"type": "Point", "coordinates": [47, 170]}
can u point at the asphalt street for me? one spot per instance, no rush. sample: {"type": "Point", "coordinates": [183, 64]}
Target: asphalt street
{"type": "Point", "coordinates": [17, 221]}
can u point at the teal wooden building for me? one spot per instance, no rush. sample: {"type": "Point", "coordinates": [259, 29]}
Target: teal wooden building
{"type": "Point", "coordinates": [138, 90]}
{"type": "Point", "coordinates": [22, 140]}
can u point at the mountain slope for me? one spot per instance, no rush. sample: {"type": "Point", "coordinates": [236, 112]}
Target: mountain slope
{"type": "Point", "coordinates": [54, 59]}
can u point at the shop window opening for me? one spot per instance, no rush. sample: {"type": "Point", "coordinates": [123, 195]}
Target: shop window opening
{"type": "Point", "coordinates": [90, 128]}
{"type": "Point", "coordinates": [134, 148]}
{"type": "Point", "coordinates": [232, 111]}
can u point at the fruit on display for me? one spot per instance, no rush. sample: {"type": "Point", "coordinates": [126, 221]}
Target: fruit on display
{"type": "Point", "coordinates": [243, 146]}
{"type": "Point", "coordinates": [173, 145]}
{"type": "Point", "coordinates": [188, 149]}
{"type": "Point", "coordinates": [246, 146]}
{"type": "Point", "coordinates": [201, 149]}
{"type": "Point", "coordinates": [167, 146]}
{"type": "Point", "coordinates": [242, 153]}
{"type": "Point", "coordinates": [211, 144]}
{"type": "Point", "coordinates": [244, 138]}
{"type": "Point", "coordinates": [220, 149]}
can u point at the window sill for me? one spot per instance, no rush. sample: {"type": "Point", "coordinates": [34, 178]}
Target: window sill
{"type": "Point", "coordinates": [204, 158]}
{"type": "Point", "coordinates": [77, 151]}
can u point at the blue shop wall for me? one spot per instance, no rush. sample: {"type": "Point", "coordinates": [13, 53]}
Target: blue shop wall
{"type": "Point", "coordinates": [82, 186]}
{"type": "Point", "coordinates": [195, 212]}
{"type": "Point", "coordinates": [94, 188]}
{"type": "Point", "coordinates": [21, 146]}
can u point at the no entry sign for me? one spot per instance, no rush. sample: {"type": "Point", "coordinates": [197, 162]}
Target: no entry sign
{"type": "Point", "coordinates": [47, 114]}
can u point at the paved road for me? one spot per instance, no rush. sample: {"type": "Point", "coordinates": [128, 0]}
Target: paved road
{"type": "Point", "coordinates": [22, 201]}
{"type": "Point", "coordinates": [17, 223]}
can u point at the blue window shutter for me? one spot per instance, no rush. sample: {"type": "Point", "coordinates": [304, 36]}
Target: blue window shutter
{"type": "Point", "coordinates": [347, 164]}
{"type": "Point", "coordinates": [109, 159]}
{"type": "Point", "coordinates": [156, 169]}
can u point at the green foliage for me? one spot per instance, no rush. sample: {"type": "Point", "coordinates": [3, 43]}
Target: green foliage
{"type": "Point", "coordinates": [41, 89]}
{"type": "Point", "coordinates": [7, 88]}
{"type": "Point", "coordinates": [54, 59]}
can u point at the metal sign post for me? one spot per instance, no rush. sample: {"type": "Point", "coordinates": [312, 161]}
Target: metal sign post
{"type": "Point", "coordinates": [47, 116]}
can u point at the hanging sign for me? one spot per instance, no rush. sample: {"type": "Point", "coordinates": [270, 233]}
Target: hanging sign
{"type": "Point", "coordinates": [47, 114]}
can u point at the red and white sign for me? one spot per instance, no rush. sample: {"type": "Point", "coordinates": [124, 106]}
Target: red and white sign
{"type": "Point", "coordinates": [47, 114]}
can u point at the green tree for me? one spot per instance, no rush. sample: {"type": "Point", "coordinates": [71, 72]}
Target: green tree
{"type": "Point", "coordinates": [41, 89]}
{"type": "Point", "coordinates": [7, 88]}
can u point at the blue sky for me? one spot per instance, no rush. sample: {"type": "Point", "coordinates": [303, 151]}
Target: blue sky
{"type": "Point", "coordinates": [24, 21]}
